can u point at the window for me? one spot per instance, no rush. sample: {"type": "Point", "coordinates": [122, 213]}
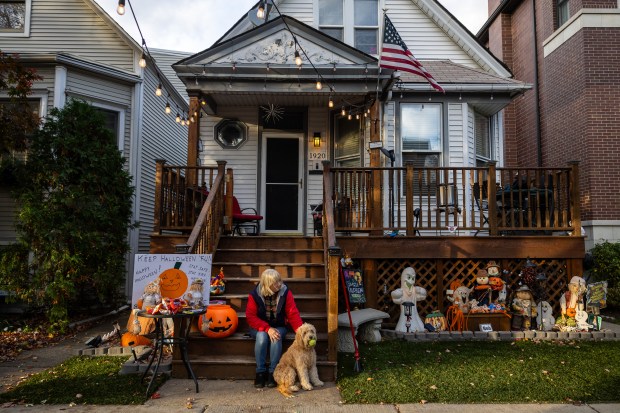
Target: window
{"type": "Point", "coordinates": [231, 134]}
{"type": "Point", "coordinates": [482, 137]}
{"type": "Point", "coordinates": [14, 17]}
{"type": "Point", "coordinates": [331, 21]}
{"type": "Point", "coordinates": [111, 120]}
{"type": "Point", "coordinates": [347, 143]}
{"type": "Point", "coordinates": [421, 137]}
{"type": "Point", "coordinates": [366, 28]}
{"type": "Point", "coordinates": [563, 12]}
{"type": "Point", "coordinates": [355, 22]}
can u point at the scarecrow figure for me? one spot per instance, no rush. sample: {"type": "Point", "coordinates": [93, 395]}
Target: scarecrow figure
{"type": "Point", "coordinates": [407, 296]}
{"type": "Point", "coordinates": [523, 309]}
{"type": "Point", "coordinates": [570, 299]}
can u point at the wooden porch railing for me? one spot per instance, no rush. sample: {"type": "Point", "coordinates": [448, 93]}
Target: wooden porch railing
{"type": "Point", "coordinates": [180, 193]}
{"type": "Point", "coordinates": [431, 201]}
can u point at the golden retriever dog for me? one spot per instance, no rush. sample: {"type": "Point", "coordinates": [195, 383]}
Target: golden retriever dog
{"type": "Point", "coordinates": [299, 361]}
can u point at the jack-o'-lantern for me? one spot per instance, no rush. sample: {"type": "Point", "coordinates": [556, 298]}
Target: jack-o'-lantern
{"type": "Point", "coordinates": [131, 340]}
{"type": "Point", "coordinates": [173, 282]}
{"type": "Point", "coordinates": [219, 321]}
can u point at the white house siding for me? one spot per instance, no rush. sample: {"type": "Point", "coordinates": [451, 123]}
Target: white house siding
{"type": "Point", "coordinates": [243, 160]}
{"type": "Point", "coordinates": [422, 36]}
{"type": "Point", "coordinates": [165, 59]}
{"type": "Point", "coordinates": [161, 138]}
{"type": "Point", "coordinates": [456, 140]}
{"type": "Point", "coordinates": [301, 10]}
{"type": "Point", "coordinates": [318, 120]}
{"type": "Point", "coordinates": [8, 209]}
{"type": "Point", "coordinates": [71, 26]}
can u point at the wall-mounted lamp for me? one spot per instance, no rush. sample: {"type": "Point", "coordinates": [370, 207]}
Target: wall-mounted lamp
{"type": "Point", "coordinates": [317, 139]}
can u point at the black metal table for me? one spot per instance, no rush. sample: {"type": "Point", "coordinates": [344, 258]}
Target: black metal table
{"type": "Point", "coordinates": [180, 338]}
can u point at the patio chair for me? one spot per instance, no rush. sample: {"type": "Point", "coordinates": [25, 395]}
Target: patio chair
{"type": "Point", "coordinates": [482, 202]}
{"type": "Point", "coordinates": [241, 219]}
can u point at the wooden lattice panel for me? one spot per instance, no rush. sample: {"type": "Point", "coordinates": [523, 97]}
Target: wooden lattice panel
{"type": "Point", "coordinates": [437, 275]}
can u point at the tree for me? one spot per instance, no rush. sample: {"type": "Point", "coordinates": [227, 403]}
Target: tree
{"type": "Point", "coordinates": [17, 119]}
{"type": "Point", "coordinates": [75, 213]}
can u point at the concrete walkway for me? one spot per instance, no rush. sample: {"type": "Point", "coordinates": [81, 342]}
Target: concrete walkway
{"type": "Point", "coordinates": [232, 396]}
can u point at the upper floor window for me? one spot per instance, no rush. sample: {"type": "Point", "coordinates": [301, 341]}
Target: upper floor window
{"type": "Point", "coordinates": [355, 22]}
{"type": "Point", "coordinates": [563, 12]}
{"type": "Point", "coordinates": [14, 17]}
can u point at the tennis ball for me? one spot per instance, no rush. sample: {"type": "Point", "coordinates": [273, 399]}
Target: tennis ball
{"type": "Point", "coordinates": [312, 343]}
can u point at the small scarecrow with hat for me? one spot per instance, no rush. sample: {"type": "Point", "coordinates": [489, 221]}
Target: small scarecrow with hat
{"type": "Point", "coordinates": [195, 295]}
{"type": "Point", "coordinates": [523, 309]}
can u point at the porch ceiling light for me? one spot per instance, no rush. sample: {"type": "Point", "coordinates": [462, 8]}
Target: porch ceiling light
{"type": "Point", "coordinates": [121, 7]}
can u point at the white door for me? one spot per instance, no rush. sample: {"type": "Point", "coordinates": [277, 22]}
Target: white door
{"type": "Point", "coordinates": [283, 183]}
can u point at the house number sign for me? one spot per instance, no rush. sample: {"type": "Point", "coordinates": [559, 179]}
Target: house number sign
{"type": "Point", "coordinates": [316, 156]}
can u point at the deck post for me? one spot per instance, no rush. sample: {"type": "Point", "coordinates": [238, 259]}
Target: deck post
{"type": "Point", "coordinates": [192, 141]}
{"type": "Point", "coordinates": [491, 193]}
{"type": "Point", "coordinates": [575, 199]}
{"type": "Point", "coordinates": [333, 265]}
{"type": "Point", "coordinates": [375, 161]}
{"type": "Point", "coordinates": [409, 199]}
{"type": "Point", "coordinates": [229, 201]}
{"type": "Point", "coordinates": [159, 176]}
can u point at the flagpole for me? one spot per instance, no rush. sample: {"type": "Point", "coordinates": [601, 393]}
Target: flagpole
{"type": "Point", "coordinates": [380, 111]}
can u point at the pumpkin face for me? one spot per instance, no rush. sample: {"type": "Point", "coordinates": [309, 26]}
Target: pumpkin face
{"type": "Point", "coordinates": [132, 340]}
{"type": "Point", "coordinates": [173, 282]}
{"type": "Point", "coordinates": [223, 321]}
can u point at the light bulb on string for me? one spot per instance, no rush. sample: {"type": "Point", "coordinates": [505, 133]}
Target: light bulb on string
{"type": "Point", "coordinates": [349, 117]}
{"type": "Point", "coordinates": [168, 108]}
{"type": "Point", "coordinates": [460, 97]}
{"type": "Point", "coordinates": [121, 7]}
{"type": "Point", "coordinates": [260, 12]}
{"type": "Point", "coordinates": [331, 102]}
{"type": "Point", "coordinates": [142, 62]}
{"type": "Point", "coordinates": [365, 114]}
{"type": "Point", "coordinates": [178, 118]}
{"type": "Point", "coordinates": [268, 68]}
{"type": "Point", "coordinates": [357, 116]}
{"type": "Point", "coordinates": [319, 85]}
{"type": "Point", "coordinates": [234, 66]}
{"type": "Point", "coordinates": [343, 112]}
{"type": "Point", "coordinates": [183, 121]}
{"type": "Point", "coordinates": [297, 58]}
{"type": "Point", "coordinates": [334, 69]}
{"type": "Point", "coordinates": [158, 90]}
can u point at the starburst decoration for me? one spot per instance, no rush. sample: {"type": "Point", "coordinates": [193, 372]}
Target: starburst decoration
{"type": "Point", "coordinates": [273, 113]}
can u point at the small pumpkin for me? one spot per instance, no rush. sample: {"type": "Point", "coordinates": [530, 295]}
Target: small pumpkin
{"type": "Point", "coordinates": [173, 282]}
{"type": "Point", "coordinates": [131, 340]}
{"type": "Point", "coordinates": [219, 321]}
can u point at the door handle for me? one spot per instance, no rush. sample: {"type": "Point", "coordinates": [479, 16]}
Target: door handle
{"type": "Point", "coordinates": [301, 183]}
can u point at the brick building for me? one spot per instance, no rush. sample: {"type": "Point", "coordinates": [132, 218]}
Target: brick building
{"type": "Point", "coordinates": [570, 51]}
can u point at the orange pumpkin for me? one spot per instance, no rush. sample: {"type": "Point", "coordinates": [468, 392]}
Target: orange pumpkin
{"type": "Point", "coordinates": [223, 321]}
{"type": "Point", "coordinates": [131, 340]}
{"type": "Point", "coordinates": [173, 282]}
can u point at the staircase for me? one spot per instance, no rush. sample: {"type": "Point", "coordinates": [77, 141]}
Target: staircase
{"type": "Point", "coordinates": [299, 260]}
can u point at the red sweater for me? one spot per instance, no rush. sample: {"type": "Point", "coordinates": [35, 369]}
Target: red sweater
{"type": "Point", "coordinates": [291, 314]}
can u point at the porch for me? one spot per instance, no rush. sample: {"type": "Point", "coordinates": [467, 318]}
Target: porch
{"type": "Point", "coordinates": [446, 223]}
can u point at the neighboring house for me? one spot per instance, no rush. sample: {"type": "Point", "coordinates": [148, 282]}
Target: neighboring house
{"type": "Point", "coordinates": [82, 53]}
{"type": "Point", "coordinates": [568, 49]}
{"type": "Point", "coordinates": [263, 112]}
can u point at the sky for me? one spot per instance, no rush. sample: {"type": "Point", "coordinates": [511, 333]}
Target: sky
{"type": "Point", "coordinates": [193, 26]}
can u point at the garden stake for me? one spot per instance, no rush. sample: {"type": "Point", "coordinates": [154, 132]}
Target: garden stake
{"type": "Point", "coordinates": [358, 366]}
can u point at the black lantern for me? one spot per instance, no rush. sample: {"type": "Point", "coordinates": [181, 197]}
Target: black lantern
{"type": "Point", "coordinates": [407, 307]}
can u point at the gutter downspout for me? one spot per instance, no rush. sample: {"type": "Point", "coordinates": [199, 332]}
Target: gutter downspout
{"type": "Point", "coordinates": [539, 158]}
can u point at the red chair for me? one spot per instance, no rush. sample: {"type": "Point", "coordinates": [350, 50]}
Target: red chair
{"type": "Point", "coordinates": [244, 220]}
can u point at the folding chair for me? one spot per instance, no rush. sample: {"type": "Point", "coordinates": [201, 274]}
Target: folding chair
{"type": "Point", "coordinates": [243, 220]}
{"type": "Point", "coordinates": [482, 202]}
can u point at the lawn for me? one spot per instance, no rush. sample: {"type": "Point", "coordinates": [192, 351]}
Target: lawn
{"type": "Point", "coordinates": [482, 372]}
{"type": "Point", "coordinates": [82, 380]}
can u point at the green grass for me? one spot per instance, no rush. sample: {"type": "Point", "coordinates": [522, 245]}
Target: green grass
{"type": "Point", "coordinates": [482, 372]}
{"type": "Point", "coordinates": [97, 379]}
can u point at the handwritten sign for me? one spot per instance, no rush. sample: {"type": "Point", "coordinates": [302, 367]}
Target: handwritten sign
{"type": "Point", "coordinates": [174, 274]}
{"type": "Point", "coordinates": [596, 296]}
{"type": "Point", "coordinates": [353, 280]}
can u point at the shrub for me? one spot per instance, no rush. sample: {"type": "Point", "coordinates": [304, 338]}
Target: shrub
{"type": "Point", "coordinates": [607, 267]}
{"type": "Point", "coordinates": [74, 216]}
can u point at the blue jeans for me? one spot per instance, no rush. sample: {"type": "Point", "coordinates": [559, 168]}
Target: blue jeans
{"type": "Point", "coordinates": [263, 343]}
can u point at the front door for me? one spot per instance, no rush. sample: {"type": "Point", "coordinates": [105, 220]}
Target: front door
{"type": "Point", "coordinates": [283, 183]}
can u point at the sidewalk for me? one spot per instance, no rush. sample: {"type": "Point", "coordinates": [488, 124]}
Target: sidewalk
{"type": "Point", "coordinates": [232, 396]}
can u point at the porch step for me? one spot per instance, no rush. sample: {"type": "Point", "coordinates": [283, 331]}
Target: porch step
{"type": "Point", "coordinates": [241, 343]}
{"type": "Point", "coordinates": [255, 269]}
{"type": "Point", "coordinates": [272, 255]}
{"type": "Point", "coordinates": [241, 285]}
{"type": "Point", "coordinates": [269, 242]}
{"type": "Point", "coordinates": [238, 368]}
{"type": "Point", "coordinates": [305, 302]}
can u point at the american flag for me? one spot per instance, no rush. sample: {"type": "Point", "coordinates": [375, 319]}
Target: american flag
{"type": "Point", "coordinates": [395, 55]}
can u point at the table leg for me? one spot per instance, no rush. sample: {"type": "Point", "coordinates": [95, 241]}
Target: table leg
{"type": "Point", "coordinates": [186, 325]}
{"type": "Point", "coordinates": [159, 353]}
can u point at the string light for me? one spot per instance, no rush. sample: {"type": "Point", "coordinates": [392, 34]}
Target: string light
{"type": "Point", "coordinates": [297, 58]}
{"type": "Point", "coordinates": [319, 85]}
{"type": "Point", "coordinates": [142, 62]}
{"type": "Point", "coordinates": [343, 112]}
{"type": "Point", "coordinates": [260, 13]}
{"type": "Point", "coordinates": [168, 108]}
{"type": "Point", "coordinates": [234, 66]}
{"type": "Point", "coordinates": [178, 118]}
{"type": "Point", "coordinates": [268, 67]}
{"type": "Point", "coordinates": [158, 90]}
{"type": "Point", "coordinates": [349, 117]}
{"type": "Point", "coordinates": [121, 7]}
{"type": "Point", "coordinates": [331, 102]}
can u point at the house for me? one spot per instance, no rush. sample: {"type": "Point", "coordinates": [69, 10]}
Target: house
{"type": "Point", "coordinates": [297, 113]}
{"type": "Point", "coordinates": [567, 50]}
{"type": "Point", "coordinates": [82, 53]}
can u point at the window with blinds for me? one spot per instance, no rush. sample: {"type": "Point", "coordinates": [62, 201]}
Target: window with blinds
{"type": "Point", "coordinates": [421, 137]}
{"type": "Point", "coordinates": [331, 18]}
{"type": "Point", "coordinates": [347, 143]}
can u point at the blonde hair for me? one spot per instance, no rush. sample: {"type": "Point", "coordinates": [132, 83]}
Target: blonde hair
{"type": "Point", "coordinates": [268, 278]}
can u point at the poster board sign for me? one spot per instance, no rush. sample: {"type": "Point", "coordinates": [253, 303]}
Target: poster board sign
{"type": "Point", "coordinates": [596, 297]}
{"type": "Point", "coordinates": [177, 275]}
{"type": "Point", "coordinates": [355, 288]}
